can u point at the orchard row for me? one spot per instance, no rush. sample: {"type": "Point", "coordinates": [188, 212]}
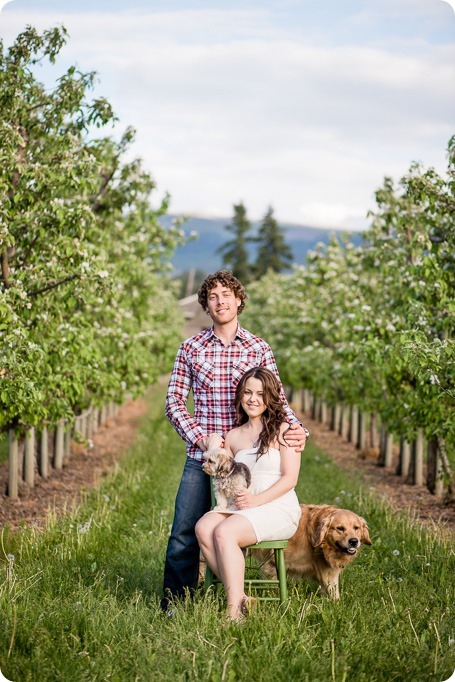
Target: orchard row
{"type": "Point", "coordinates": [372, 325]}
{"type": "Point", "coordinates": [86, 315]}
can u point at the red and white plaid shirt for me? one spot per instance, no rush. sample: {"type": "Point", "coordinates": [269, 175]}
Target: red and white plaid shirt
{"type": "Point", "coordinates": [213, 370]}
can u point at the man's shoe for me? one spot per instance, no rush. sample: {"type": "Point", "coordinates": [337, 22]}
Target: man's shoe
{"type": "Point", "coordinates": [167, 607]}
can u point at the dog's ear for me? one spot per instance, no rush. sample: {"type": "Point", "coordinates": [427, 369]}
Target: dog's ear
{"type": "Point", "coordinates": [224, 461]}
{"type": "Point", "coordinates": [319, 528]}
{"type": "Point", "coordinates": [365, 536]}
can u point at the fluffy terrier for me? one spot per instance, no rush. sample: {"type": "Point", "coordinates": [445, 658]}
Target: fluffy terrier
{"type": "Point", "coordinates": [229, 478]}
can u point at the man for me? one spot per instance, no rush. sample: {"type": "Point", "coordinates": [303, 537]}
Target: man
{"type": "Point", "coordinates": [210, 364]}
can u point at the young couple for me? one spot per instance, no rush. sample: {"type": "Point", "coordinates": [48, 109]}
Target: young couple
{"type": "Point", "coordinates": [215, 365]}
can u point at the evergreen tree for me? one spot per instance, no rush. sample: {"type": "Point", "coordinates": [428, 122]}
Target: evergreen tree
{"type": "Point", "coordinates": [234, 252]}
{"type": "Point", "coordinates": [273, 251]}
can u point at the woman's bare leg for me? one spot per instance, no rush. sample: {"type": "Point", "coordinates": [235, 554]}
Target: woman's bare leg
{"type": "Point", "coordinates": [204, 532]}
{"type": "Point", "coordinates": [229, 537]}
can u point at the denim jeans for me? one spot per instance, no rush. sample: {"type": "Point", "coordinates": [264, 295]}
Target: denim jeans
{"type": "Point", "coordinates": [182, 557]}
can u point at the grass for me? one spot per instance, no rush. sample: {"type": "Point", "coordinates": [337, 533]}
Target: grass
{"type": "Point", "coordinates": [80, 600]}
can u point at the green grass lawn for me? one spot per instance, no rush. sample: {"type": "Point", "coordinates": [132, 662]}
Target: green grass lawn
{"type": "Point", "coordinates": [80, 600]}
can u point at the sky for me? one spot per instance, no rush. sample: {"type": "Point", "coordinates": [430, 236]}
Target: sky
{"type": "Point", "coordinates": [303, 105]}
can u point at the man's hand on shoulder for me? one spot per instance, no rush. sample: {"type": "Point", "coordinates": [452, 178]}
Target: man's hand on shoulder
{"type": "Point", "coordinates": [296, 436]}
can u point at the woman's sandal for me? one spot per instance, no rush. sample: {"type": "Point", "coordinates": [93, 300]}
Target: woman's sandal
{"type": "Point", "coordinates": [248, 605]}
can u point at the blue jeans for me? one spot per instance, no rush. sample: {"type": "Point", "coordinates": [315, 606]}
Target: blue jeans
{"type": "Point", "coordinates": [181, 567]}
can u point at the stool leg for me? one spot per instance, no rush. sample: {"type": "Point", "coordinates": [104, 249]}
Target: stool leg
{"type": "Point", "coordinates": [211, 579]}
{"type": "Point", "coordinates": [281, 574]}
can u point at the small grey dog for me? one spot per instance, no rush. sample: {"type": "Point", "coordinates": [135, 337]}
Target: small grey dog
{"type": "Point", "coordinates": [229, 477]}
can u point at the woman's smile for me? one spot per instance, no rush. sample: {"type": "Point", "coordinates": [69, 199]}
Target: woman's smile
{"type": "Point", "coordinates": [252, 400]}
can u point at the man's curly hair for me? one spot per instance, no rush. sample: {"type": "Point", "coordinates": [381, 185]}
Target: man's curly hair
{"type": "Point", "coordinates": [227, 279]}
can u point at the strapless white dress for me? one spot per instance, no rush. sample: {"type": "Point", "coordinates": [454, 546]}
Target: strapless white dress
{"type": "Point", "coordinates": [276, 520]}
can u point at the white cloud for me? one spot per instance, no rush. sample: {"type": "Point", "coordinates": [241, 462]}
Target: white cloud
{"type": "Point", "coordinates": [228, 107]}
{"type": "Point", "coordinates": [341, 215]}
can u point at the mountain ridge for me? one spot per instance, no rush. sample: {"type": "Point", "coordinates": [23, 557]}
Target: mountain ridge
{"type": "Point", "coordinates": [202, 253]}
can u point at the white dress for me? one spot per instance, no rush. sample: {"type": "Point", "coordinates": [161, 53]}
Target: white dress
{"type": "Point", "coordinates": [276, 520]}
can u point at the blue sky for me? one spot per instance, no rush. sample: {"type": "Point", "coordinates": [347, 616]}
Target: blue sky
{"type": "Point", "coordinates": [302, 104]}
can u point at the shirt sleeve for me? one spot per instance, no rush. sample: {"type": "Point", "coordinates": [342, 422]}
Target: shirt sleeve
{"type": "Point", "coordinates": [180, 384]}
{"type": "Point", "coordinates": [270, 362]}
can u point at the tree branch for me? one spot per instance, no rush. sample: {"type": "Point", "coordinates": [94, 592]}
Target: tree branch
{"type": "Point", "coordinates": [20, 158]}
{"type": "Point", "coordinates": [107, 177]}
{"type": "Point", "coordinates": [36, 106]}
{"type": "Point", "coordinates": [5, 269]}
{"type": "Point", "coordinates": [28, 252]}
{"type": "Point", "coordinates": [53, 285]}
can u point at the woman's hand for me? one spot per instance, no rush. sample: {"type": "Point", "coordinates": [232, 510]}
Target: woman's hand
{"type": "Point", "coordinates": [215, 440]}
{"type": "Point", "coordinates": [246, 501]}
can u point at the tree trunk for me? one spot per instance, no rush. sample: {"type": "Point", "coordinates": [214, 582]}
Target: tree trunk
{"type": "Point", "coordinates": [13, 466]}
{"type": "Point", "coordinates": [362, 437]}
{"type": "Point", "coordinates": [29, 458]}
{"type": "Point", "coordinates": [315, 414]}
{"type": "Point", "coordinates": [336, 413]}
{"type": "Point", "coordinates": [415, 476]}
{"type": "Point", "coordinates": [374, 431]}
{"type": "Point", "coordinates": [382, 445]}
{"type": "Point", "coordinates": [435, 482]}
{"type": "Point", "coordinates": [344, 422]}
{"type": "Point", "coordinates": [59, 445]}
{"type": "Point", "coordinates": [323, 415]}
{"type": "Point", "coordinates": [306, 404]}
{"type": "Point", "coordinates": [44, 453]}
{"type": "Point", "coordinates": [354, 425]}
{"type": "Point", "coordinates": [388, 453]}
{"type": "Point", "coordinates": [446, 466]}
{"type": "Point", "coordinates": [67, 444]}
{"type": "Point", "coordinates": [404, 459]}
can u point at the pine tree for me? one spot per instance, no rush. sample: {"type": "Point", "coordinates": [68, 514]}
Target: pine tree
{"type": "Point", "coordinates": [273, 251]}
{"type": "Point", "coordinates": [234, 252]}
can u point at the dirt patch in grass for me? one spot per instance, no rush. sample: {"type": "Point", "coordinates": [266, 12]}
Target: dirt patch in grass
{"type": "Point", "coordinates": [84, 469]}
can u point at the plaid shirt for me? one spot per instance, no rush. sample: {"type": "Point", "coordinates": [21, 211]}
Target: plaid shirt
{"type": "Point", "coordinates": [213, 370]}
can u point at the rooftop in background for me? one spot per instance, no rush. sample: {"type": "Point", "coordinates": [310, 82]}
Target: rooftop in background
{"type": "Point", "coordinates": [195, 318]}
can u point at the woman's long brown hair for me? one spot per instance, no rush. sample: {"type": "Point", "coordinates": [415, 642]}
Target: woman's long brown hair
{"type": "Point", "coordinates": [273, 415]}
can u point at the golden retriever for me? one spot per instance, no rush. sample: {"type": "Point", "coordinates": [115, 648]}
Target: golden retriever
{"type": "Point", "coordinates": [327, 539]}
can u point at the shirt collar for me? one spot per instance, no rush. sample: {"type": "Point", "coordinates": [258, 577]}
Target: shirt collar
{"type": "Point", "coordinates": [241, 333]}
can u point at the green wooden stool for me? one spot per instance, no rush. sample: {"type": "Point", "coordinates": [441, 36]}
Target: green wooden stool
{"type": "Point", "coordinates": [258, 583]}
{"type": "Point", "coordinates": [261, 583]}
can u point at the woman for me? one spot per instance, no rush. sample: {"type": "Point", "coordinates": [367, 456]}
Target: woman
{"type": "Point", "coordinates": [269, 510]}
